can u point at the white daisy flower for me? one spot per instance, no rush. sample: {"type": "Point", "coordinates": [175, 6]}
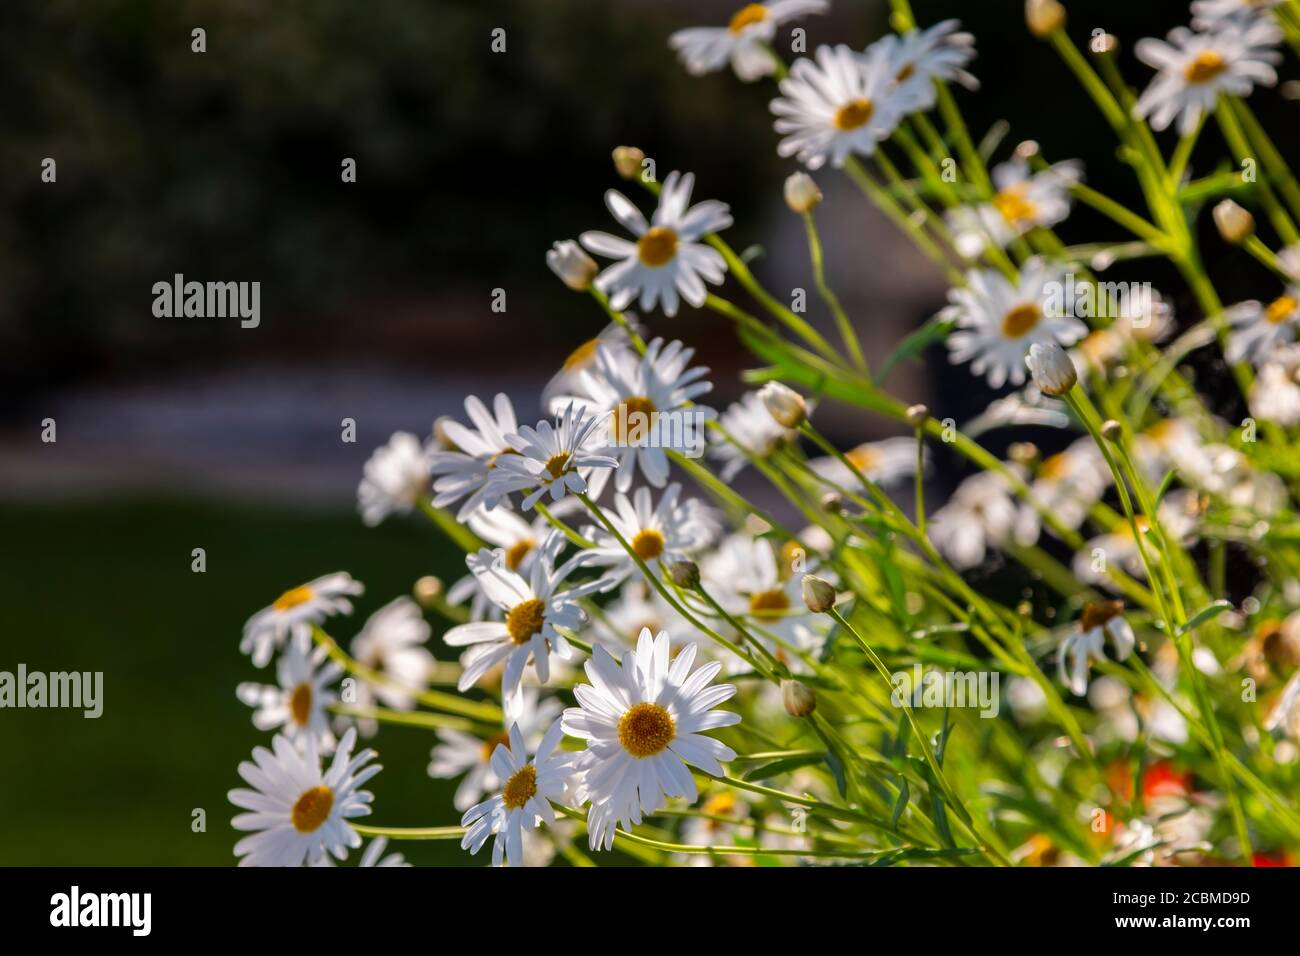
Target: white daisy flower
{"type": "Point", "coordinates": [661, 534]}
{"type": "Point", "coordinates": [565, 381]}
{"type": "Point", "coordinates": [839, 103]}
{"type": "Point", "coordinates": [745, 42]}
{"type": "Point", "coordinates": [297, 813]}
{"type": "Point", "coordinates": [1024, 200]}
{"type": "Point", "coordinates": [977, 518]}
{"type": "Point", "coordinates": [754, 431]}
{"type": "Point", "coordinates": [527, 789]}
{"type": "Point", "coordinates": [518, 541]}
{"type": "Point", "coordinates": [461, 753]}
{"type": "Point", "coordinates": [1087, 642]}
{"type": "Point", "coordinates": [1067, 485]}
{"type": "Point", "coordinates": [1209, 14]}
{"type": "Point", "coordinates": [638, 607]}
{"type": "Point", "coordinates": [464, 472]}
{"type": "Point", "coordinates": [643, 721]}
{"type": "Point", "coordinates": [1259, 330]}
{"type": "Point", "coordinates": [392, 642]}
{"type": "Point", "coordinates": [1275, 396]}
{"type": "Point", "coordinates": [293, 613]}
{"type": "Point", "coordinates": [298, 703]}
{"type": "Point", "coordinates": [997, 320]}
{"type": "Point", "coordinates": [919, 57]}
{"type": "Point", "coordinates": [665, 259]}
{"type": "Point", "coordinates": [883, 462]}
{"type": "Point", "coordinates": [647, 405]}
{"type": "Point", "coordinates": [557, 459]}
{"type": "Point", "coordinates": [396, 476]}
{"type": "Point", "coordinates": [1194, 68]}
{"type": "Point", "coordinates": [535, 606]}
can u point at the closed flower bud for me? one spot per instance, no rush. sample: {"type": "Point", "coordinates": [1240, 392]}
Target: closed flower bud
{"type": "Point", "coordinates": [1236, 224]}
{"type": "Point", "coordinates": [801, 192]}
{"type": "Point", "coordinates": [799, 699]}
{"type": "Point", "coordinates": [832, 501]}
{"type": "Point", "coordinates": [574, 267]}
{"type": "Point", "coordinates": [916, 415]}
{"type": "Point", "coordinates": [817, 594]}
{"type": "Point", "coordinates": [1027, 149]}
{"type": "Point", "coordinates": [627, 161]}
{"type": "Point", "coordinates": [1053, 372]}
{"type": "Point", "coordinates": [1104, 45]}
{"type": "Point", "coordinates": [784, 404]}
{"type": "Point", "coordinates": [1044, 17]}
{"type": "Point", "coordinates": [428, 591]}
{"type": "Point", "coordinates": [1111, 430]}
{"type": "Point", "coordinates": [685, 574]}
{"type": "Point", "coordinates": [1023, 452]}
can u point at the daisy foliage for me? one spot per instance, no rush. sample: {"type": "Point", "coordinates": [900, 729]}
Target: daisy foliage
{"type": "Point", "coordinates": [1119, 571]}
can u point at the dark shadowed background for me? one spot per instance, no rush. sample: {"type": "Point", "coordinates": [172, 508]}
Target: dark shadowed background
{"type": "Point", "coordinates": [180, 433]}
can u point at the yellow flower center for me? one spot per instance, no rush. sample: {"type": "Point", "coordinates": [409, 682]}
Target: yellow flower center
{"type": "Point", "coordinates": [1014, 206]}
{"type": "Point", "coordinates": [854, 115]}
{"type": "Point", "coordinates": [557, 465]}
{"type": "Point", "coordinates": [525, 620]}
{"type": "Point", "coordinates": [1097, 613]}
{"type": "Point", "coordinates": [719, 805]}
{"type": "Point", "coordinates": [490, 745]}
{"type": "Point", "coordinates": [864, 458]}
{"type": "Point", "coordinates": [1207, 65]}
{"type": "Point", "coordinates": [520, 788]}
{"type": "Point", "coordinates": [516, 553]}
{"type": "Point", "coordinates": [1020, 320]}
{"type": "Point", "coordinates": [769, 603]}
{"type": "Point", "coordinates": [1281, 309]}
{"type": "Point", "coordinates": [293, 597]}
{"type": "Point", "coordinates": [791, 551]}
{"type": "Point", "coordinates": [300, 704]}
{"type": "Point", "coordinates": [582, 355]}
{"type": "Point", "coordinates": [646, 729]}
{"type": "Point", "coordinates": [1055, 466]}
{"type": "Point", "coordinates": [657, 246]}
{"type": "Point", "coordinates": [311, 809]}
{"type": "Point", "coordinates": [747, 16]}
{"type": "Point", "coordinates": [648, 544]}
{"type": "Point", "coordinates": [631, 420]}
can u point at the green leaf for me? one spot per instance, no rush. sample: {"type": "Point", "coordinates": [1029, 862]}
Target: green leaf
{"type": "Point", "coordinates": [904, 794]}
{"type": "Point", "coordinates": [1207, 613]}
{"type": "Point", "coordinates": [782, 765]}
{"type": "Point", "coordinates": [934, 331]}
{"type": "Point", "coordinates": [1165, 482]}
{"type": "Point", "coordinates": [837, 771]}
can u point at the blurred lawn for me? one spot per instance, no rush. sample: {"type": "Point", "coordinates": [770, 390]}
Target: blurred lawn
{"type": "Point", "coordinates": [108, 587]}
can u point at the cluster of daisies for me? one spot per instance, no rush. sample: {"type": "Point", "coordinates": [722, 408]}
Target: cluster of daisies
{"type": "Point", "coordinates": [602, 602]}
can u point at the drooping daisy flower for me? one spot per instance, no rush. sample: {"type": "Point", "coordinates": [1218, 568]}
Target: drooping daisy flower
{"type": "Point", "coordinates": [292, 614]}
{"type": "Point", "coordinates": [298, 703]}
{"type": "Point", "coordinates": [837, 104]}
{"type": "Point", "coordinates": [1209, 14]}
{"type": "Point", "coordinates": [1087, 642]}
{"type": "Point", "coordinates": [997, 320]}
{"type": "Point", "coordinates": [919, 57]}
{"type": "Point", "coordinates": [665, 259]}
{"type": "Point", "coordinates": [1194, 68]}
{"type": "Point", "coordinates": [464, 472]}
{"type": "Point", "coordinates": [461, 753]}
{"type": "Point", "coordinates": [745, 42]}
{"type": "Point", "coordinates": [297, 813]}
{"type": "Point", "coordinates": [518, 540]}
{"type": "Point", "coordinates": [527, 789]}
{"type": "Point", "coordinates": [643, 721]}
{"type": "Point", "coordinates": [535, 606]}
{"type": "Point", "coordinates": [883, 462]}
{"type": "Point", "coordinates": [557, 459]}
{"type": "Point", "coordinates": [646, 402]}
{"type": "Point", "coordinates": [396, 476]}
{"type": "Point", "coordinates": [393, 643]}
{"type": "Point", "coordinates": [660, 534]}
{"type": "Point", "coordinates": [1259, 330]}
{"type": "Point", "coordinates": [977, 518]}
{"type": "Point", "coordinates": [1275, 396]}
{"type": "Point", "coordinates": [1024, 201]}
{"type": "Point", "coordinates": [565, 381]}
{"type": "Point", "coordinates": [754, 432]}
{"type": "Point", "coordinates": [1067, 485]}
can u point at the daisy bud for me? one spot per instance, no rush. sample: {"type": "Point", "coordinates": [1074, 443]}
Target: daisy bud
{"type": "Point", "coordinates": [1053, 372]}
{"type": "Point", "coordinates": [799, 699]}
{"type": "Point", "coordinates": [627, 161]}
{"type": "Point", "coordinates": [575, 268]}
{"type": "Point", "coordinates": [784, 404]}
{"type": "Point", "coordinates": [832, 502]}
{"type": "Point", "coordinates": [801, 192]}
{"type": "Point", "coordinates": [817, 594]}
{"type": "Point", "coordinates": [1111, 430]}
{"type": "Point", "coordinates": [428, 591]}
{"type": "Point", "coordinates": [1023, 452]}
{"type": "Point", "coordinates": [1027, 149]}
{"type": "Point", "coordinates": [1044, 17]}
{"type": "Point", "coordinates": [916, 415]}
{"type": "Point", "coordinates": [1105, 45]}
{"type": "Point", "coordinates": [685, 574]}
{"type": "Point", "coordinates": [1236, 224]}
